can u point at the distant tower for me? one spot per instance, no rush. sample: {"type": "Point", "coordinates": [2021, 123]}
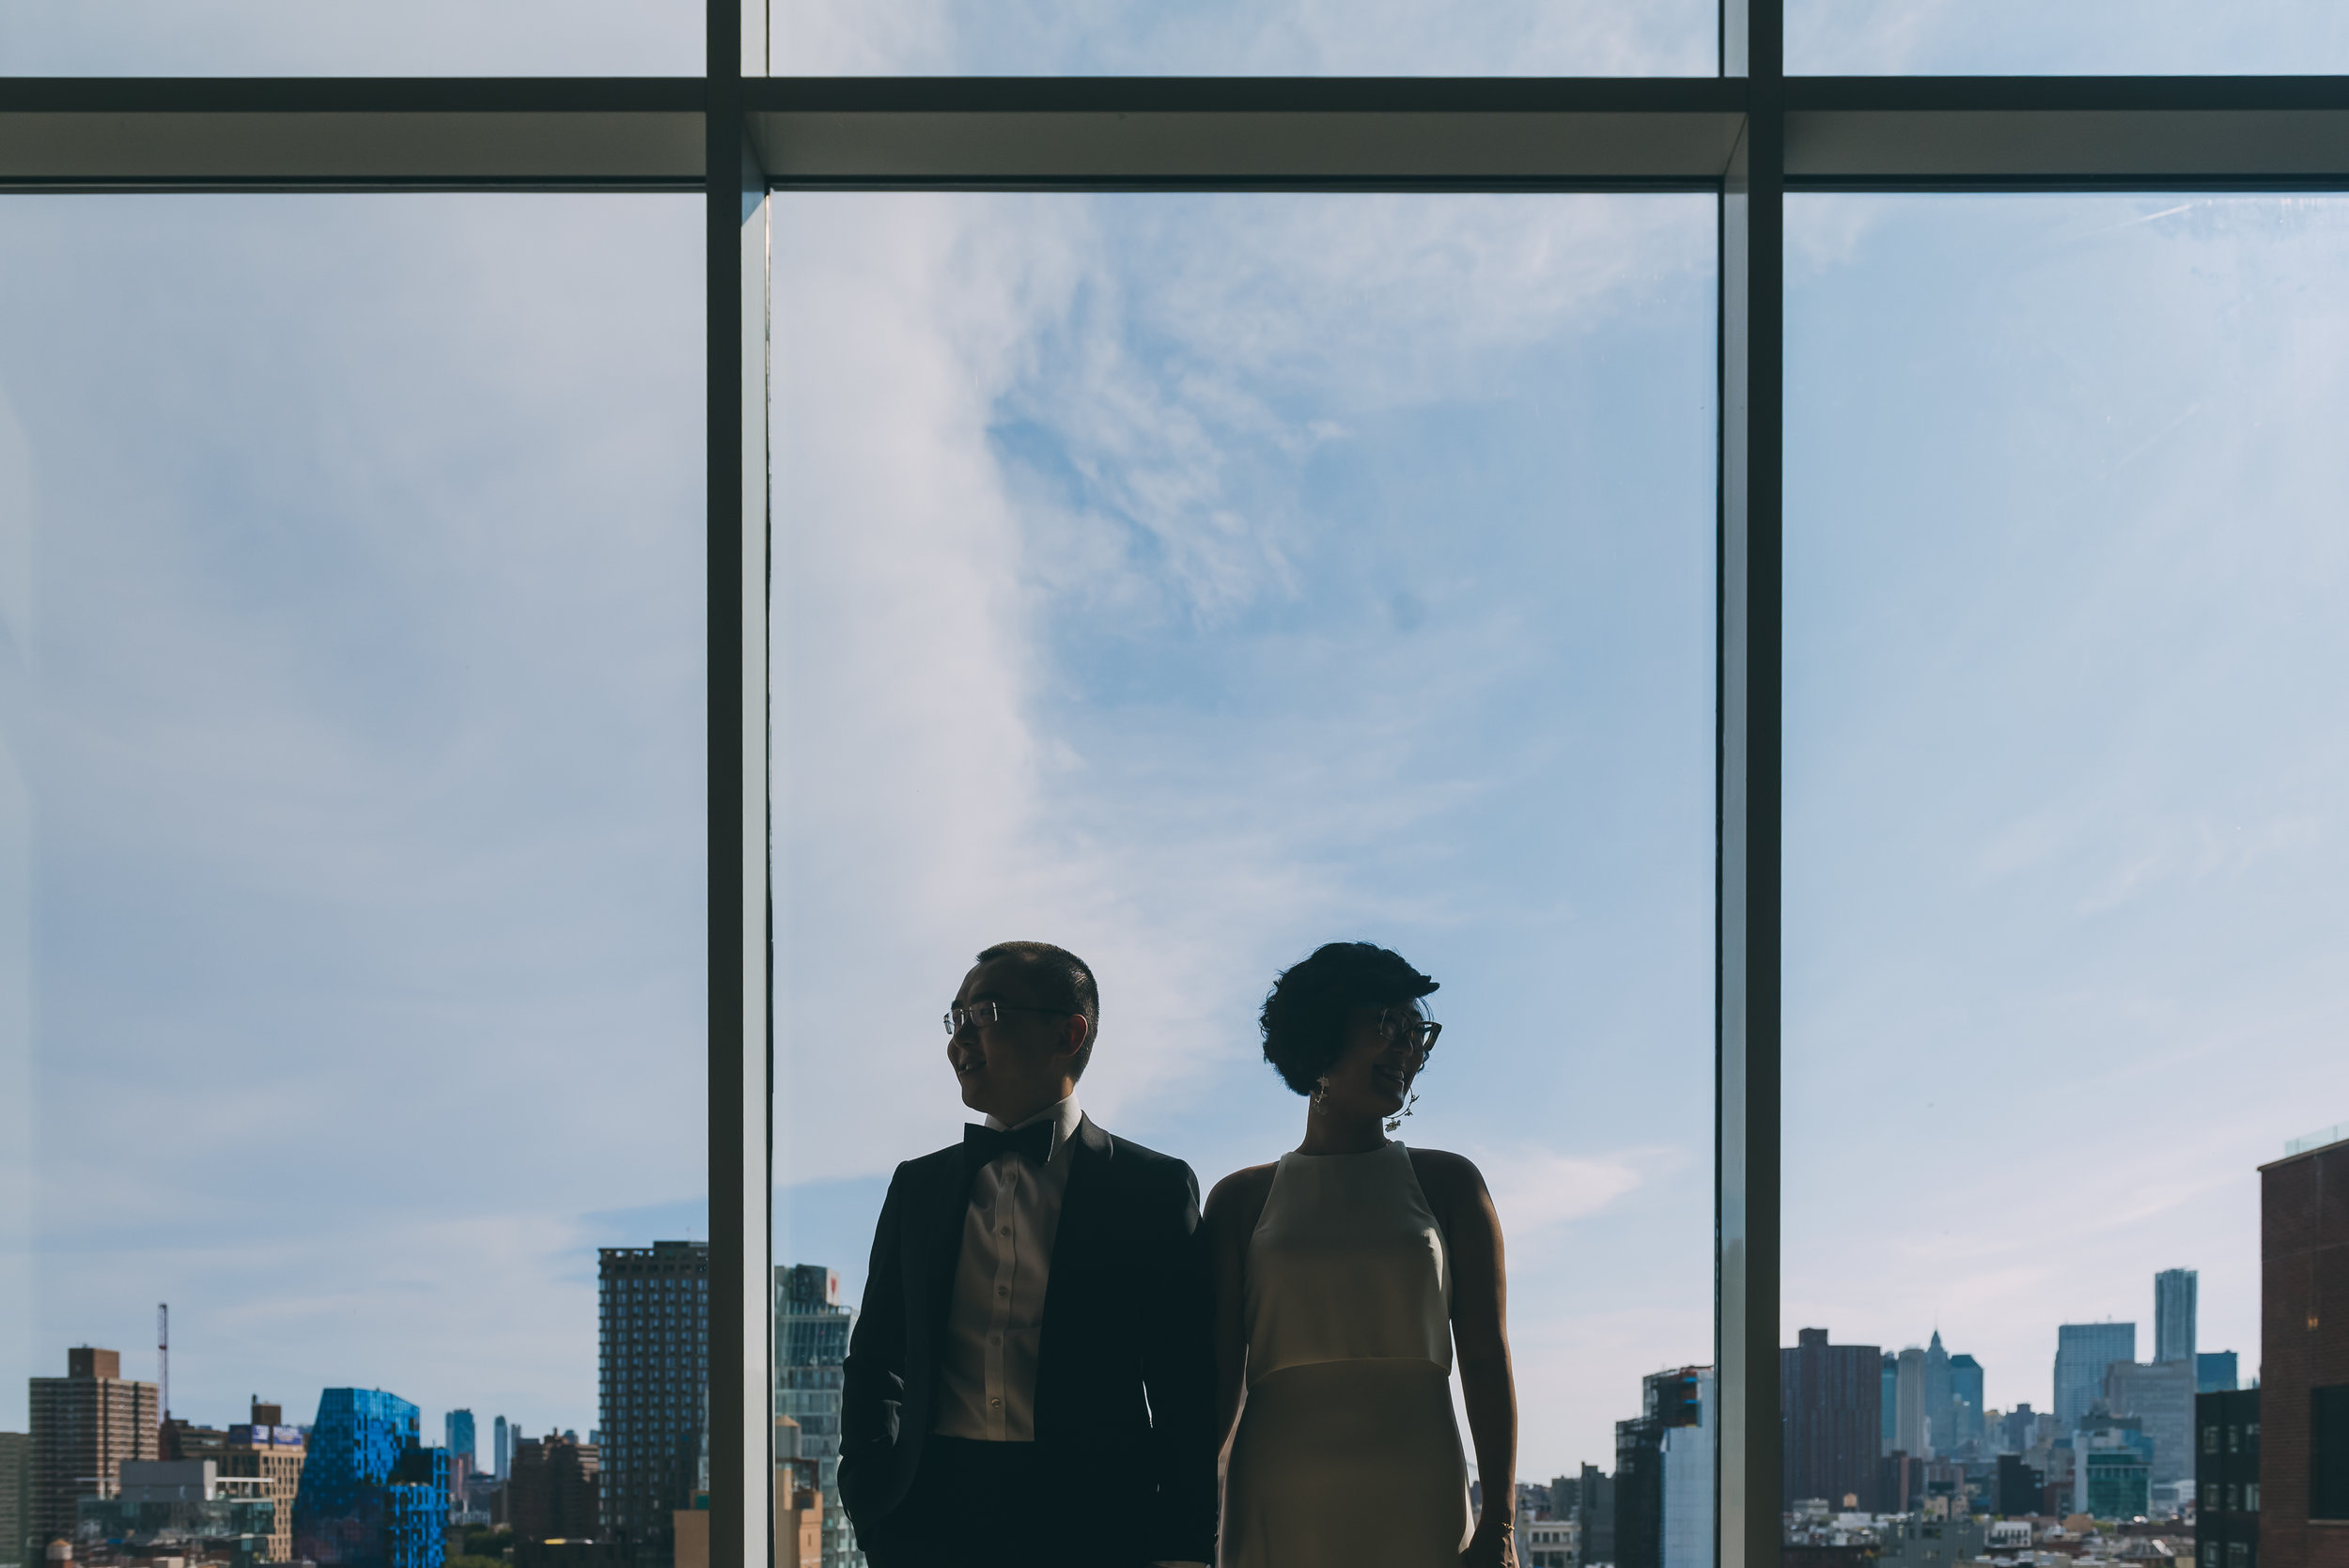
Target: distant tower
{"type": "Point", "coordinates": [2175, 1291]}
{"type": "Point", "coordinates": [1909, 1428]}
{"type": "Point", "coordinates": [654, 1307]}
{"type": "Point", "coordinates": [501, 1449]}
{"type": "Point", "coordinates": [2083, 1350]}
{"type": "Point", "coordinates": [457, 1426]}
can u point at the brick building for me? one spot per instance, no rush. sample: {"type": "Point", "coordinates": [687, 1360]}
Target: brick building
{"type": "Point", "coordinates": [555, 1491]}
{"type": "Point", "coordinates": [85, 1425]}
{"type": "Point", "coordinates": [2227, 1478]}
{"type": "Point", "coordinates": [1830, 1398]}
{"type": "Point", "coordinates": [2304, 1351]}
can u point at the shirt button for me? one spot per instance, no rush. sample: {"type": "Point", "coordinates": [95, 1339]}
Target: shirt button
{"type": "Point", "coordinates": [1005, 1230]}
{"type": "Point", "coordinates": [995, 1339]}
{"type": "Point", "coordinates": [1002, 1290]}
{"type": "Point", "coordinates": [996, 1402]}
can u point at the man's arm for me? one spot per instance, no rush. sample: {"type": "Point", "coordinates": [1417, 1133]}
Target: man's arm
{"type": "Point", "coordinates": [1178, 1369]}
{"type": "Point", "coordinates": [873, 1383]}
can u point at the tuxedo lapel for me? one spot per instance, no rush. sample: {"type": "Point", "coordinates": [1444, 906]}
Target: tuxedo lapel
{"type": "Point", "coordinates": [933, 1247]}
{"type": "Point", "coordinates": [1086, 1209]}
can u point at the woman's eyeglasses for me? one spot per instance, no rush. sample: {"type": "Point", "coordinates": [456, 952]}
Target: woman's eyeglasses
{"type": "Point", "coordinates": [1401, 1028]}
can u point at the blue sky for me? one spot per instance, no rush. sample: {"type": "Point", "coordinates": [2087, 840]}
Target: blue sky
{"type": "Point", "coordinates": [1193, 579]}
{"type": "Point", "coordinates": [1412, 38]}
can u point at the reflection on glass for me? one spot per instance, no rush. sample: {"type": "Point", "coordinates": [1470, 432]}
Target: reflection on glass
{"type": "Point", "coordinates": [1192, 581]}
{"type": "Point", "coordinates": [2087, 38]}
{"type": "Point", "coordinates": [2066, 845]}
{"type": "Point", "coordinates": [1223, 38]}
{"type": "Point", "coordinates": [351, 964]}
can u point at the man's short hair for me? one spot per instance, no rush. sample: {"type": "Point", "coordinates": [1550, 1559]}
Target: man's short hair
{"type": "Point", "coordinates": [1062, 980]}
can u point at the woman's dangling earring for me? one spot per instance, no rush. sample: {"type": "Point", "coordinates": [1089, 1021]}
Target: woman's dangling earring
{"type": "Point", "coordinates": [1394, 1123]}
{"type": "Point", "coordinates": [1321, 1092]}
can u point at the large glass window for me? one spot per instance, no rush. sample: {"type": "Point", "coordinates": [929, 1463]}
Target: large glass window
{"type": "Point", "coordinates": [291, 37]}
{"type": "Point", "coordinates": [2066, 848]}
{"type": "Point", "coordinates": [1191, 581]}
{"type": "Point", "coordinates": [1202, 38]}
{"type": "Point", "coordinates": [1875, 37]}
{"type": "Point", "coordinates": [352, 814]}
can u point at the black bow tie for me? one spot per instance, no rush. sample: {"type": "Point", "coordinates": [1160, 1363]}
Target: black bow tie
{"type": "Point", "coordinates": [982, 1144]}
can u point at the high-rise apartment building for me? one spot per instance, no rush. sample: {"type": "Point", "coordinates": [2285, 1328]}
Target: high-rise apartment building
{"type": "Point", "coordinates": [654, 1308]}
{"type": "Point", "coordinates": [1689, 1460]}
{"type": "Point", "coordinates": [268, 1451]}
{"type": "Point", "coordinates": [1669, 1400]}
{"type": "Point", "coordinates": [2160, 1394]}
{"type": "Point", "coordinates": [812, 1328]}
{"type": "Point", "coordinates": [16, 1478]}
{"type": "Point", "coordinates": [2215, 1371]}
{"type": "Point", "coordinates": [1830, 1397]}
{"type": "Point", "coordinates": [2175, 1291]}
{"type": "Point", "coordinates": [2227, 1479]}
{"type": "Point", "coordinates": [2304, 1357]}
{"type": "Point", "coordinates": [373, 1495]}
{"type": "Point", "coordinates": [1593, 1504]}
{"type": "Point", "coordinates": [85, 1425]}
{"type": "Point", "coordinates": [2083, 1350]}
{"type": "Point", "coordinates": [556, 1490]}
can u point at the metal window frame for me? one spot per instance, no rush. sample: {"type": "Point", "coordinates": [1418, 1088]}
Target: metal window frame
{"type": "Point", "coordinates": [1749, 136]}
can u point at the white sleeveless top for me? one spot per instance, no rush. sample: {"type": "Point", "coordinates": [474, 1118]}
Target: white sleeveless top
{"type": "Point", "coordinates": [1347, 1263]}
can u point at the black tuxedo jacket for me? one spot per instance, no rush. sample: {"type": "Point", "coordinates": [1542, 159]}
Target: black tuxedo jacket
{"type": "Point", "coordinates": [1124, 1395]}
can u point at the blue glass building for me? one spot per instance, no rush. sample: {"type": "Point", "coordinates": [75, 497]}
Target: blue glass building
{"type": "Point", "coordinates": [460, 1438]}
{"type": "Point", "coordinates": [373, 1495]}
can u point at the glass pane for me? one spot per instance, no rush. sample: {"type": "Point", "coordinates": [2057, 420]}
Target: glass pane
{"type": "Point", "coordinates": [2120, 38]}
{"type": "Point", "coordinates": [1192, 581]}
{"type": "Point", "coordinates": [294, 37]}
{"type": "Point", "coordinates": [351, 847]}
{"type": "Point", "coordinates": [2066, 845]}
{"type": "Point", "coordinates": [1214, 38]}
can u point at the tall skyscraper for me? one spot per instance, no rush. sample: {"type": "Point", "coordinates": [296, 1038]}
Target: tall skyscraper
{"type": "Point", "coordinates": [2174, 1291]}
{"type": "Point", "coordinates": [373, 1495]}
{"type": "Point", "coordinates": [1889, 1426]}
{"type": "Point", "coordinates": [2083, 1350]}
{"type": "Point", "coordinates": [2304, 1357]}
{"type": "Point", "coordinates": [1940, 1428]}
{"type": "Point", "coordinates": [1908, 1430]}
{"type": "Point", "coordinates": [85, 1425]}
{"type": "Point", "coordinates": [654, 1307]}
{"type": "Point", "coordinates": [812, 1328]}
{"type": "Point", "coordinates": [1831, 1398]}
{"type": "Point", "coordinates": [1965, 1403]}
{"type": "Point", "coordinates": [457, 1425]}
{"type": "Point", "coordinates": [501, 1449]}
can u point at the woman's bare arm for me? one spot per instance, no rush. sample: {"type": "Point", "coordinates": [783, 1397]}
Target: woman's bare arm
{"type": "Point", "coordinates": [1230, 1215]}
{"type": "Point", "coordinates": [1480, 1336]}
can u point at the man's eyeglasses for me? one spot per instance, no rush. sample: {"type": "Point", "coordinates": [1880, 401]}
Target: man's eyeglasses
{"type": "Point", "coordinates": [978, 1015]}
{"type": "Point", "coordinates": [1401, 1028]}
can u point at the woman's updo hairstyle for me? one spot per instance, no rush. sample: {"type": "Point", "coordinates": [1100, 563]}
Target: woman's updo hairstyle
{"type": "Point", "coordinates": [1304, 1013]}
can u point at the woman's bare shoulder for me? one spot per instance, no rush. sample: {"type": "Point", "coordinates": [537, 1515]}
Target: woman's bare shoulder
{"type": "Point", "coordinates": [1445, 1174]}
{"type": "Point", "coordinates": [1243, 1187]}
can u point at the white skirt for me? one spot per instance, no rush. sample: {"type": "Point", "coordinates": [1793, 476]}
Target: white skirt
{"type": "Point", "coordinates": [1346, 1464]}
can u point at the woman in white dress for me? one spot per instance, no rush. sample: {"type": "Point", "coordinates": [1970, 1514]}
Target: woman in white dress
{"type": "Point", "coordinates": [1346, 1274]}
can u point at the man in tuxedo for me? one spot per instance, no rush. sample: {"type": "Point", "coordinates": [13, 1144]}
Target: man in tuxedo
{"type": "Point", "coordinates": [1031, 1382]}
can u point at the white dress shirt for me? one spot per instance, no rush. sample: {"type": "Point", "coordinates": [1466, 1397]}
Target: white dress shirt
{"type": "Point", "coordinates": [995, 1318]}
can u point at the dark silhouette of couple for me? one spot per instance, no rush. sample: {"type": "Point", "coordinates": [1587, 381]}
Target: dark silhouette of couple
{"type": "Point", "coordinates": [1056, 1346]}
